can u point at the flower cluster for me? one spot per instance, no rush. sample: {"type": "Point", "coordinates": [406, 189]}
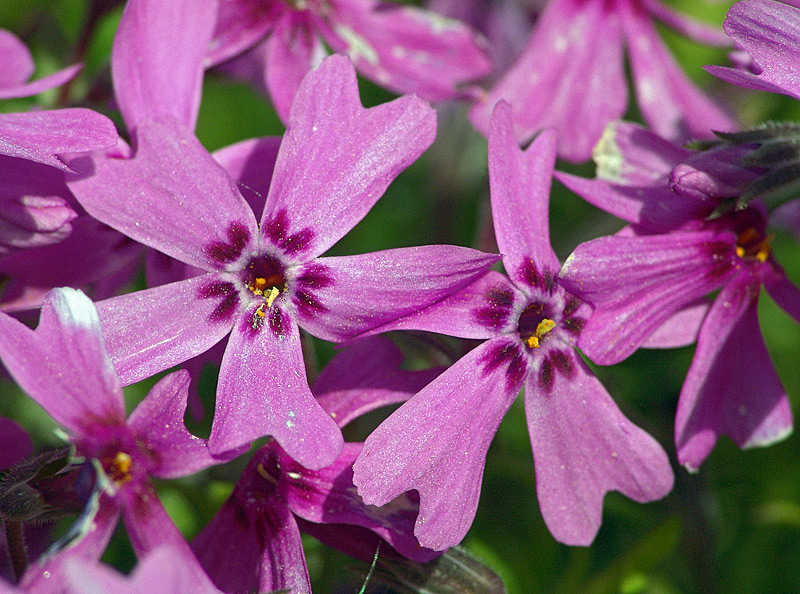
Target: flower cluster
{"type": "Point", "coordinates": [143, 255]}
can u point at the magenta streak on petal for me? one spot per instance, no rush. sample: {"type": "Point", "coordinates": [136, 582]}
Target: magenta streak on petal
{"type": "Point", "coordinates": [509, 354]}
{"type": "Point", "coordinates": [227, 305]}
{"type": "Point", "coordinates": [222, 253]}
{"type": "Point", "coordinates": [498, 311]}
{"type": "Point", "coordinates": [277, 228]}
{"type": "Point", "coordinates": [530, 274]}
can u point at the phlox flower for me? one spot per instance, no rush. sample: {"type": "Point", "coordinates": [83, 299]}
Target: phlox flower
{"type": "Point", "coordinates": [262, 280]}
{"type": "Point", "coordinates": [404, 48]}
{"type": "Point", "coordinates": [571, 76]}
{"type": "Point", "coordinates": [648, 285]}
{"type": "Point", "coordinates": [253, 543]}
{"type": "Point", "coordinates": [63, 365]}
{"type": "Point", "coordinates": [583, 446]}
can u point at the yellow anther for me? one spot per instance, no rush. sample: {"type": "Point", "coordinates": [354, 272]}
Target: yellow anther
{"type": "Point", "coordinates": [123, 462]}
{"type": "Point", "coordinates": [763, 249]}
{"type": "Point", "coordinates": [544, 327]}
{"type": "Point", "coordinates": [273, 295]}
{"type": "Point", "coordinates": [532, 342]}
{"type": "Point", "coordinates": [740, 251]}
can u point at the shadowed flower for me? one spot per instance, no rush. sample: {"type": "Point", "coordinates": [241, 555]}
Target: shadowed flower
{"type": "Point", "coordinates": [583, 446]}
{"type": "Point", "coordinates": [649, 286]}
{"type": "Point", "coordinates": [64, 367]}
{"type": "Point", "coordinates": [404, 48]}
{"type": "Point", "coordinates": [571, 76]}
{"type": "Point", "coordinates": [253, 543]}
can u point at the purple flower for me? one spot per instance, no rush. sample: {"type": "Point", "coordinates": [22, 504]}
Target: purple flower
{"type": "Point", "coordinates": [648, 285]}
{"type": "Point", "coordinates": [64, 367]}
{"type": "Point", "coordinates": [583, 446]}
{"type": "Point", "coordinates": [770, 33]}
{"type": "Point", "coordinates": [571, 76]}
{"type": "Point", "coordinates": [404, 48]}
{"type": "Point", "coordinates": [264, 279]}
{"type": "Point", "coordinates": [253, 543]}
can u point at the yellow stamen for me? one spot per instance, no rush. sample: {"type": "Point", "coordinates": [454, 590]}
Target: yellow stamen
{"type": "Point", "coordinates": [273, 294]}
{"type": "Point", "coordinates": [542, 328]}
{"type": "Point", "coordinates": [118, 468]}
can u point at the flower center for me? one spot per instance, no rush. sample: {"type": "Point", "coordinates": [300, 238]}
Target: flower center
{"type": "Point", "coordinates": [265, 277]}
{"type": "Point", "coordinates": [534, 325]}
{"type": "Point", "coordinates": [118, 468]}
{"type": "Point", "coordinates": [751, 244]}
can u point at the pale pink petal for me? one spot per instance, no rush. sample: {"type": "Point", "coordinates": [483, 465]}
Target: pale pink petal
{"type": "Point", "coordinates": [583, 447]}
{"type": "Point", "coordinates": [698, 31]}
{"type": "Point", "coordinates": [250, 163]}
{"type": "Point", "coordinates": [41, 85]}
{"type": "Point", "coordinates": [680, 329]}
{"type": "Point", "coordinates": [240, 24]}
{"type": "Point", "coordinates": [17, 65]}
{"type": "Point", "coordinates": [407, 49]}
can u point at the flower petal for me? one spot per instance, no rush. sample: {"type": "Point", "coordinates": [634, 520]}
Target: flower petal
{"type": "Point", "coordinates": [680, 329]}
{"type": "Point", "coordinates": [698, 31]}
{"type": "Point", "coordinates": [327, 496]}
{"type": "Point", "coordinates": [520, 192]}
{"type": "Point", "coordinates": [194, 212]}
{"type": "Point", "coordinates": [583, 447]}
{"type": "Point", "coordinates": [669, 101]}
{"type": "Point", "coordinates": [637, 283]}
{"type": "Point", "coordinates": [436, 443]}
{"type": "Point", "coordinates": [153, 330]}
{"type": "Point", "coordinates": [263, 391]}
{"type": "Point", "coordinates": [292, 50]}
{"type": "Point", "coordinates": [165, 570]}
{"type": "Point", "coordinates": [570, 77]}
{"type": "Point", "coordinates": [407, 49]}
{"type": "Point", "coordinates": [39, 577]}
{"type": "Point", "coordinates": [146, 521]}
{"type": "Point", "coordinates": [157, 59]}
{"type": "Point", "coordinates": [42, 135]}
{"type": "Point", "coordinates": [483, 309]}
{"type": "Point", "coordinates": [63, 365]}
{"type": "Point", "coordinates": [732, 387]}
{"type": "Point", "coordinates": [337, 158]}
{"type": "Point", "coordinates": [240, 24]}
{"type": "Point", "coordinates": [784, 292]}
{"type": "Point", "coordinates": [364, 376]}
{"type": "Point", "coordinates": [158, 422]}
{"type": "Point", "coordinates": [41, 85]}
{"type": "Point", "coordinates": [253, 550]}
{"type": "Point", "coordinates": [250, 163]}
{"type": "Point", "coordinates": [17, 66]}
{"type": "Point", "coordinates": [770, 33]}
{"type": "Point", "coordinates": [363, 292]}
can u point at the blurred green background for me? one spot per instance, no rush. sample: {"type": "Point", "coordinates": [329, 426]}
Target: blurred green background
{"type": "Point", "coordinates": [732, 528]}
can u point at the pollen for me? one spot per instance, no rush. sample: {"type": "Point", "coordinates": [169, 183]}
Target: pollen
{"type": "Point", "coordinates": [118, 468]}
{"type": "Point", "coordinates": [273, 294]}
{"type": "Point", "coordinates": [750, 244]}
{"type": "Point", "coordinates": [542, 328]}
